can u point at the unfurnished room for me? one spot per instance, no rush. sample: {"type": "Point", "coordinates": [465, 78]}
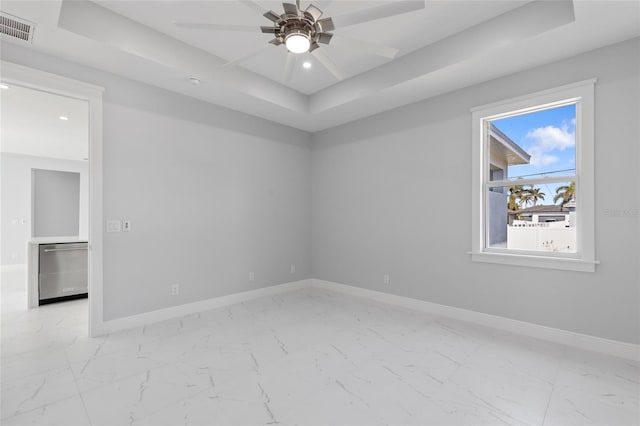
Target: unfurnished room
{"type": "Point", "coordinates": [324, 212]}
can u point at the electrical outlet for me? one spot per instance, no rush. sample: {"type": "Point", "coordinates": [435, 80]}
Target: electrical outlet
{"type": "Point", "coordinates": [293, 269]}
{"type": "Point", "coordinates": [126, 226]}
{"type": "Point", "coordinates": [175, 289]}
{"type": "Point", "coordinates": [252, 276]}
{"type": "Point", "coordinates": [386, 279]}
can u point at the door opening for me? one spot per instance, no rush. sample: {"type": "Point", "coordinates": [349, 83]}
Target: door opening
{"type": "Point", "coordinates": [61, 216]}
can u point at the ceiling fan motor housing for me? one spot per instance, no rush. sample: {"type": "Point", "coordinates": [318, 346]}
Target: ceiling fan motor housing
{"type": "Point", "coordinates": [294, 26]}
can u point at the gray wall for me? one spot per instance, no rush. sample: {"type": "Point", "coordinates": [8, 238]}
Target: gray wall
{"type": "Point", "coordinates": [391, 195]}
{"type": "Point", "coordinates": [15, 201]}
{"type": "Point", "coordinates": [56, 203]}
{"type": "Point", "coordinates": [212, 194]}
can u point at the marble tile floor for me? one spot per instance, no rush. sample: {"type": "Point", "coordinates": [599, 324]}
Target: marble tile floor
{"type": "Point", "coordinates": [308, 357]}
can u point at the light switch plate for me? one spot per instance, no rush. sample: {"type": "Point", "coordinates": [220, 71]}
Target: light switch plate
{"type": "Point", "coordinates": [114, 226]}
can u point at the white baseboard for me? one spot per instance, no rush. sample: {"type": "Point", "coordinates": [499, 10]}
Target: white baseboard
{"type": "Point", "coordinates": [195, 307]}
{"type": "Point", "coordinates": [583, 341]}
{"type": "Point", "coordinates": [19, 267]}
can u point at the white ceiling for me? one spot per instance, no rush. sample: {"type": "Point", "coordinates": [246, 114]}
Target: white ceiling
{"type": "Point", "coordinates": [417, 29]}
{"type": "Point", "coordinates": [445, 46]}
{"type": "Point", "coordinates": [30, 124]}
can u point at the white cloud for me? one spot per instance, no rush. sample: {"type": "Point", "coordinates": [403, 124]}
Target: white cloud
{"type": "Point", "coordinates": [543, 160]}
{"type": "Point", "coordinates": [543, 140]}
{"type": "Point", "coordinates": [550, 137]}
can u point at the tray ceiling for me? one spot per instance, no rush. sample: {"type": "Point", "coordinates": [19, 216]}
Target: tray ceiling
{"type": "Point", "coordinates": [444, 46]}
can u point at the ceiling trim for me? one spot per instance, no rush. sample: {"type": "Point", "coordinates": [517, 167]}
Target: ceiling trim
{"type": "Point", "coordinates": [522, 23]}
{"type": "Point", "coordinates": [529, 34]}
{"type": "Point", "coordinates": [116, 31]}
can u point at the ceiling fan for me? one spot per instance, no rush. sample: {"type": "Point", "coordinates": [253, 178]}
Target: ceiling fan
{"type": "Point", "coordinates": [302, 31]}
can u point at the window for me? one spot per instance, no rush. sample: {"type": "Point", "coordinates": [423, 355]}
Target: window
{"type": "Point", "coordinates": [533, 180]}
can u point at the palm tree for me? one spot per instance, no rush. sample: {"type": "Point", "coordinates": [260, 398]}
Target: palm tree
{"type": "Point", "coordinates": [520, 197]}
{"type": "Point", "coordinates": [525, 197]}
{"type": "Point", "coordinates": [536, 195]}
{"type": "Point", "coordinates": [565, 193]}
{"type": "Point", "coordinates": [514, 195]}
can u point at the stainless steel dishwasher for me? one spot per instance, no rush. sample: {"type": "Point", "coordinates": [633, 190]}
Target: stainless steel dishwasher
{"type": "Point", "coordinates": [63, 272]}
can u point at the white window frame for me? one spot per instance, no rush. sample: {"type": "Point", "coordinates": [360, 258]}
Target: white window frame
{"type": "Point", "coordinates": [582, 94]}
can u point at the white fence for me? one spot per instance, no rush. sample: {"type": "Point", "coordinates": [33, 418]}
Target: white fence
{"type": "Point", "coordinates": [537, 236]}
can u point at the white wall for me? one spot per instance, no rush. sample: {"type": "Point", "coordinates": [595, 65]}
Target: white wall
{"type": "Point", "coordinates": [55, 209]}
{"type": "Point", "coordinates": [15, 210]}
{"type": "Point", "coordinates": [391, 194]}
{"type": "Point", "coordinates": [212, 194]}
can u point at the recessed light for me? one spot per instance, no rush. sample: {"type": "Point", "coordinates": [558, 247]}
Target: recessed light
{"type": "Point", "coordinates": [306, 65]}
{"type": "Point", "coordinates": [3, 86]}
{"type": "Point", "coordinates": [194, 81]}
{"type": "Point", "coordinates": [63, 118]}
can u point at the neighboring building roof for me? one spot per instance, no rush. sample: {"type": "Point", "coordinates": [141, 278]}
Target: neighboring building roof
{"type": "Point", "coordinates": [553, 208]}
{"type": "Point", "coordinates": [502, 145]}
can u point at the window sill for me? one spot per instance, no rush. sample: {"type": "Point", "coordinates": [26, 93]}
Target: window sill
{"type": "Point", "coordinates": [565, 264]}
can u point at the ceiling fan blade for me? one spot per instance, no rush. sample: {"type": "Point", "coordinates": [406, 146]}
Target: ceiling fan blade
{"type": "Point", "coordinates": [276, 42]}
{"type": "Point", "coordinates": [379, 12]}
{"type": "Point", "coordinates": [253, 6]}
{"type": "Point", "coordinates": [214, 27]}
{"type": "Point", "coordinates": [325, 25]}
{"type": "Point", "coordinates": [328, 63]}
{"type": "Point", "coordinates": [324, 38]}
{"type": "Point", "coordinates": [246, 57]}
{"type": "Point", "coordinates": [363, 46]}
{"type": "Point", "coordinates": [289, 66]}
{"type": "Point", "coordinates": [272, 16]}
{"type": "Point", "coordinates": [314, 12]}
{"type": "Point", "coordinates": [269, 30]}
{"type": "Point", "coordinates": [290, 9]}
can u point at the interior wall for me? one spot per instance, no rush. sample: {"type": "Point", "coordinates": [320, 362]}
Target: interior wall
{"type": "Point", "coordinates": [55, 203]}
{"type": "Point", "coordinates": [391, 195]}
{"type": "Point", "coordinates": [212, 194]}
{"type": "Point", "coordinates": [15, 198]}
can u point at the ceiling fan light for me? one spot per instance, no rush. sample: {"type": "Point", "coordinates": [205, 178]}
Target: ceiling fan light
{"type": "Point", "coordinates": [297, 42]}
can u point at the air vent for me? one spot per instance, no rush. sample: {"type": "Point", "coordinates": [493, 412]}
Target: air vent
{"type": "Point", "coordinates": [16, 28]}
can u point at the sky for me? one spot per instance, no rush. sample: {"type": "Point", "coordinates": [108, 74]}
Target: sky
{"type": "Point", "coordinates": [549, 137]}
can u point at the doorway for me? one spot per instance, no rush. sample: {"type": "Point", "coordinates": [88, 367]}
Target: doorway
{"type": "Point", "coordinates": [89, 225]}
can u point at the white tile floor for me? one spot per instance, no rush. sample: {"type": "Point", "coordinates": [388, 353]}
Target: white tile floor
{"type": "Point", "coordinates": [305, 357]}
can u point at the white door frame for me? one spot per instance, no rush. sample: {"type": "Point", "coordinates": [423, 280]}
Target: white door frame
{"type": "Point", "coordinates": [20, 75]}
